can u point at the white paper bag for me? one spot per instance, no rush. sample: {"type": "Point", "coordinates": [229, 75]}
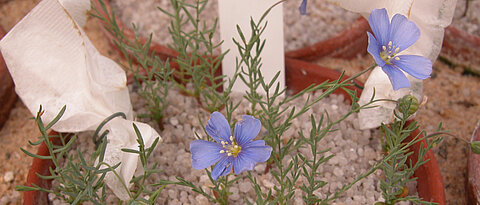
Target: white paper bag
{"type": "Point", "coordinates": [431, 17]}
{"type": "Point", "coordinates": [53, 63]}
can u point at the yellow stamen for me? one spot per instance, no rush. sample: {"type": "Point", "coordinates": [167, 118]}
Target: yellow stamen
{"type": "Point", "coordinates": [231, 149]}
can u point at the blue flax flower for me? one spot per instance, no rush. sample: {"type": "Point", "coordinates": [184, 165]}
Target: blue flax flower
{"type": "Point", "coordinates": [237, 151]}
{"type": "Point", "coordinates": [392, 38]}
{"type": "Point", "coordinates": [303, 7]}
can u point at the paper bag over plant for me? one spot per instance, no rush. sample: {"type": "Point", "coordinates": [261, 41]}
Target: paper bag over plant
{"type": "Point", "coordinates": [53, 64]}
{"type": "Point", "coordinates": [431, 17]}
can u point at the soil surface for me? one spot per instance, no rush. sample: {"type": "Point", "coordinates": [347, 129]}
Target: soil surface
{"type": "Point", "coordinates": [453, 98]}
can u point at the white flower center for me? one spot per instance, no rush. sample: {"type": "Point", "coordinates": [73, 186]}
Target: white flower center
{"type": "Point", "coordinates": [231, 149]}
{"type": "Point", "coordinates": [388, 53]}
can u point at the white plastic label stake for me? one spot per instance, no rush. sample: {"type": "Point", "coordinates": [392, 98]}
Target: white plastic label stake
{"type": "Point", "coordinates": [238, 12]}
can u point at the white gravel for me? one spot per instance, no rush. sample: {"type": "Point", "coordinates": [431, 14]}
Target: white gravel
{"type": "Point", "coordinates": [8, 177]}
{"type": "Point", "coordinates": [355, 151]}
{"type": "Point", "coordinates": [11, 198]}
{"type": "Point", "coordinates": [323, 20]}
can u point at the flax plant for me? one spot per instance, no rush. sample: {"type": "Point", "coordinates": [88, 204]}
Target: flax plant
{"type": "Point", "coordinates": [197, 64]}
{"type": "Point", "coordinates": [151, 75]}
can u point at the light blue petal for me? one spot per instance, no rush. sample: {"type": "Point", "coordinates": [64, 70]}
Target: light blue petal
{"type": "Point", "coordinates": [253, 153]}
{"type": "Point", "coordinates": [254, 143]}
{"type": "Point", "coordinates": [204, 153]}
{"type": "Point", "coordinates": [373, 49]}
{"type": "Point", "coordinates": [303, 7]}
{"type": "Point", "coordinates": [218, 128]}
{"type": "Point", "coordinates": [417, 66]}
{"type": "Point", "coordinates": [247, 129]}
{"type": "Point", "coordinates": [256, 153]}
{"type": "Point", "coordinates": [242, 163]}
{"type": "Point", "coordinates": [223, 167]}
{"type": "Point", "coordinates": [397, 78]}
{"type": "Point", "coordinates": [380, 24]}
{"type": "Point", "coordinates": [403, 33]}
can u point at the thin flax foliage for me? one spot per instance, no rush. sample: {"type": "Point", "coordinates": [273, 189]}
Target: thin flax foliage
{"type": "Point", "coordinates": [75, 186]}
{"type": "Point", "coordinates": [271, 109]}
{"type": "Point", "coordinates": [197, 63]}
{"type": "Point", "coordinates": [80, 179]}
{"type": "Point", "coordinates": [398, 169]}
{"type": "Point", "coordinates": [151, 75]}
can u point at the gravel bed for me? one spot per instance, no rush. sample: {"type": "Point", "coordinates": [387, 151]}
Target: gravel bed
{"type": "Point", "coordinates": [323, 20]}
{"type": "Point", "coordinates": [471, 21]}
{"type": "Point", "coordinates": [355, 151]}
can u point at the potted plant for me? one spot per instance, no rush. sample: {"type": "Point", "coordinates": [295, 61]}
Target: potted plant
{"type": "Point", "coordinates": [302, 74]}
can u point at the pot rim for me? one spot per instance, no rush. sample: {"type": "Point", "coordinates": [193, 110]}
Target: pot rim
{"type": "Point", "coordinates": [346, 44]}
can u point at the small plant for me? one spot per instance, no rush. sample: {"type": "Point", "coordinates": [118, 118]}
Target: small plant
{"type": "Point", "coordinates": [196, 61]}
{"type": "Point", "coordinates": [151, 74]}
{"type": "Point", "coordinates": [399, 169]}
{"type": "Point", "coordinates": [80, 179]}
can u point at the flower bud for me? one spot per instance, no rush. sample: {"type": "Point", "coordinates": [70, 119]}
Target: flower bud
{"type": "Point", "coordinates": [409, 102]}
{"type": "Point", "coordinates": [475, 147]}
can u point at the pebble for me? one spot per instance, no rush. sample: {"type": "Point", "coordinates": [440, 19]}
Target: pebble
{"type": "Point", "coordinates": [338, 172]}
{"type": "Point", "coordinates": [184, 197]}
{"type": "Point", "coordinates": [244, 186]}
{"type": "Point", "coordinates": [260, 168]}
{"type": "Point", "coordinates": [8, 177]}
{"type": "Point", "coordinates": [235, 195]}
{"type": "Point", "coordinates": [369, 153]}
{"type": "Point", "coordinates": [11, 198]}
{"type": "Point", "coordinates": [201, 200]}
{"type": "Point", "coordinates": [268, 184]}
{"type": "Point", "coordinates": [172, 193]}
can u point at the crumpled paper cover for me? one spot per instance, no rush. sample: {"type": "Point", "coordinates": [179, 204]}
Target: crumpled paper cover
{"type": "Point", "coordinates": [431, 17]}
{"type": "Point", "coordinates": [53, 63]}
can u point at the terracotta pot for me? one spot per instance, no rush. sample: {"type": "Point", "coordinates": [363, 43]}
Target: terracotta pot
{"type": "Point", "coordinates": [299, 74]}
{"type": "Point", "coordinates": [461, 48]}
{"type": "Point", "coordinates": [347, 44]}
{"type": "Point", "coordinates": [8, 97]}
{"type": "Point", "coordinates": [429, 179]}
{"type": "Point", "coordinates": [42, 167]}
{"type": "Point", "coordinates": [162, 51]}
{"type": "Point", "coordinates": [473, 172]}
